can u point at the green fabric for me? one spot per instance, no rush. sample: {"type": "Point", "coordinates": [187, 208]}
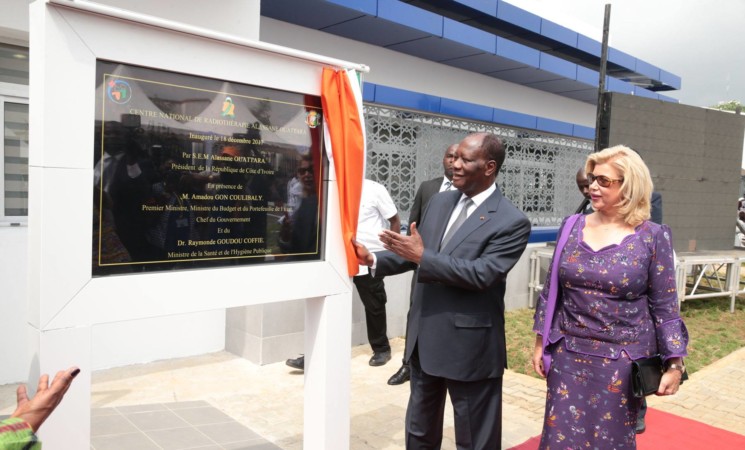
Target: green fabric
{"type": "Point", "coordinates": [16, 434]}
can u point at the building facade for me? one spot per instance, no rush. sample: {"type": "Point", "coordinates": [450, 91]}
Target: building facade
{"type": "Point", "coordinates": [439, 70]}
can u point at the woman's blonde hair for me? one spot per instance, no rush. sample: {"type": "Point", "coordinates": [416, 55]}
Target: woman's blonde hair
{"type": "Point", "coordinates": [636, 188]}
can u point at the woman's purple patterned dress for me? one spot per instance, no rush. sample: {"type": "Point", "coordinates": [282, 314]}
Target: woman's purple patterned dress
{"type": "Point", "coordinates": [617, 304]}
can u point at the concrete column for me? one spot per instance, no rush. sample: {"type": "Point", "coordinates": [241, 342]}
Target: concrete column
{"type": "Point", "coordinates": [327, 372]}
{"type": "Point", "coordinates": [69, 427]}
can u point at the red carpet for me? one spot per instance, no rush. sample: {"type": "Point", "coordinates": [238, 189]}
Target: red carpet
{"type": "Point", "coordinates": [667, 431]}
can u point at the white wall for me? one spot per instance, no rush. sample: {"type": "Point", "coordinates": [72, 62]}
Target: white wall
{"type": "Point", "coordinates": [402, 71]}
{"type": "Point", "coordinates": [235, 17]}
{"type": "Point", "coordinates": [14, 22]}
{"type": "Point", "coordinates": [13, 262]}
{"type": "Point", "coordinates": [13, 240]}
{"type": "Point", "coordinates": [141, 341]}
{"type": "Point", "coordinates": [244, 15]}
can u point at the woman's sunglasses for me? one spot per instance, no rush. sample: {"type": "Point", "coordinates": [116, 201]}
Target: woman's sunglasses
{"type": "Point", "coordinates": [602, 180]}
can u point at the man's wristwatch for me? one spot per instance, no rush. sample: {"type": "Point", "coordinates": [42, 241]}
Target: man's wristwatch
{"type": "Point", "coordinates": [674, 366]}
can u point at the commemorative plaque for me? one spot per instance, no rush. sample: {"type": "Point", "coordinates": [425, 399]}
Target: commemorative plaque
{"type": "Point", "coordinates": [194, 172]}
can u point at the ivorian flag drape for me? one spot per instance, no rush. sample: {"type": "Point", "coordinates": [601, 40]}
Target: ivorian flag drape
{"type": "Point", "coordinates": [342, 106]}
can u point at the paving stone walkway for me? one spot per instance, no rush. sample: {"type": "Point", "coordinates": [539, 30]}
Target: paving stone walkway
{"type": "Point", "coordinates": [261, 407]}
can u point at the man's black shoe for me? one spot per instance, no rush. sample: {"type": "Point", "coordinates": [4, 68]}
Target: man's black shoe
{"type": "Point", "coordinates": [380, 358]}
{"type": "Point", "coordinates": [297, 363]}
{"type": "Point", "coordinates": [402, 376]}
{"type": "Point", "coordinates": [640, 425]}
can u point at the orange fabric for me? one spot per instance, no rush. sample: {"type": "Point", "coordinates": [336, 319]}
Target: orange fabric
{"type": "Point", "coordinates": [348, 149]}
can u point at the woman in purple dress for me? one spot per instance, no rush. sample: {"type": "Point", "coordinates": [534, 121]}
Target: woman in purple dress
{"type": "Point", "coordinates": [617, 302]}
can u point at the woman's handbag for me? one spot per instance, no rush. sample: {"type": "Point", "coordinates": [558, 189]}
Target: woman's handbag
{"type": "Point", "coordinates": [646, 374]}
{"type": "Point", "coordinates": [553, 290]}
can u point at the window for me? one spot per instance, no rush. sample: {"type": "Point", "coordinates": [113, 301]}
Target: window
{"type": "Point", "coordinates": [14, 120]}
{"type": "Point", "coordinates": [14, 117]}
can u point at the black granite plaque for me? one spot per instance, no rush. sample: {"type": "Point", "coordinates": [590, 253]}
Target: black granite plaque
{"type": "Point", "coordinates": [194, 172]}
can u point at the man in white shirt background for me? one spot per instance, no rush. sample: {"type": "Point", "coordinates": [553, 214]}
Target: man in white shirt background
{"type": "Point", "coordinates": [377, 212]}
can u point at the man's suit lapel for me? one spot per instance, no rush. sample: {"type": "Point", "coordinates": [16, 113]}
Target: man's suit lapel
{"type": "Point", "coordinates": [482, 215]}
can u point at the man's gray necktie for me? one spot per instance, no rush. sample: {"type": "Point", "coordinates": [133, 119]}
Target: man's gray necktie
{"type": "Point", "coordinates": [448, 184]}
{"type": "Point", "coordinates": [462, 216]}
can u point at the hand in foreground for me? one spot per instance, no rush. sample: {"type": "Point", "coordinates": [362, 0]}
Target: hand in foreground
{"type": "Point", "coordinates": [538, 356]}
{"type": "Point", "coordinates": [364, 257]}
{"type": "Point", "coordinates": [670, 382]}
{"type": "Point", "coordinates": [37, 409]}
{"type": "Point", "coordinates": [407, 247]}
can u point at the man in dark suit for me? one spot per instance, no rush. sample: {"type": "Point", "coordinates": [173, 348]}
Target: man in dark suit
{"type": "Point", "coordinates": [584, 187]}
{"type": "Point", "coordinates": [426, 190]}
{"type": "Point", "coordinates": [656, 208]}
{"type": "Point", "coordinates": [455, 343]}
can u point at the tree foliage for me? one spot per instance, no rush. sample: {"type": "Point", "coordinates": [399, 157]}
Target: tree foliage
{"type": "Point", "coordinates": [731, 105]}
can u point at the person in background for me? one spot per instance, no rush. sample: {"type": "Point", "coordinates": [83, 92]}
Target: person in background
{"type": "Point", "coordinates": [425, 192]}
{"type": "Point", "coordinates": [302, 229]}
{"type": "Point", "coordinates": [740, 222]}
{"type": "Point", "coordinates": [431, 187]}
{"type": "Point", "coordinates": [19, 430]}
{"type": "Point", "coordinates": [584, 187]}
{"type": "Point", "coordinates": [377, 212]}
{"type": "Point", "coordinates": [656, 209]}
{"type": "Point", "coordinates": [294, 195]}
{"type": "Point", "coordinates": [617, 303]}
{"type": "Point", "coordinates": [468, 242]}
{"type": "Point", "coordinates": [656, 217]}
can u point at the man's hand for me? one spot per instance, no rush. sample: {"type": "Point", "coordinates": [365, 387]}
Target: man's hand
{"type": "Point", "coordinates": [37, 409]}
{"type": "Point", "coordinates": [364, 257]}
{"type": "Point", "coordinates": [407, 247]}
